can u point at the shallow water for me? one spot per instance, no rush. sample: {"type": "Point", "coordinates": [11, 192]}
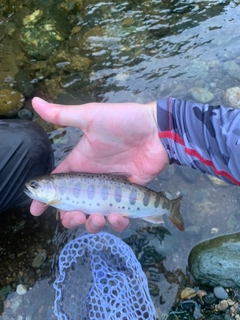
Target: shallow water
{"type": "Point", "coordinates": [131, 51]}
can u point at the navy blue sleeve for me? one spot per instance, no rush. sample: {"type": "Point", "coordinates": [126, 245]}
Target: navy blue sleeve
{"type": "Point", "coordinates": [204, 137]}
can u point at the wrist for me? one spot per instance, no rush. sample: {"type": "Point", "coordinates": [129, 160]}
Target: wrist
{"type": "Point", "coordinates": [153, 109]}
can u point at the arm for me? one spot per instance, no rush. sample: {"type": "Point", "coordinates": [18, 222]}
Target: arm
{"type": "Point", "coordinates": [204, 137]}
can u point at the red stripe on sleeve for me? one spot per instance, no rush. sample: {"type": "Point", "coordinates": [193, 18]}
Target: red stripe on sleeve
{"type": "Point", "coordinates": [194, 153]}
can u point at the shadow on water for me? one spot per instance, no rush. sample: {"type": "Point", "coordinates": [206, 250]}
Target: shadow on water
{"type": "Point", "coordinates": [115, 51]}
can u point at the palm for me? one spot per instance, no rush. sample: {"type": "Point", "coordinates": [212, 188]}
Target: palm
{"type": "Point", "coordinates": [118, 139]}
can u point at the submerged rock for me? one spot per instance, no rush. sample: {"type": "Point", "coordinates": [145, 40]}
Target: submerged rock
{"type": "Point", "coordinates": [10, 102]}
{"type": "Point", "coordinates": [232, 68]}
{"type": "Point", "coordinates": [232, 97]}
{"type": "Point", "coordinates": [220, 293]}
{"type": "Point", "coordinates": [43, 33]}
{"type": "Point", "coordinates": [202, 95]}
{"type": "Point", "coordinates": [39, 259]}
{"type": "Point", "coordinates": [216, 262]}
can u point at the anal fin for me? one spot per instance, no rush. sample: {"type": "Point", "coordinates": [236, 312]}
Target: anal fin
{"type": "Point", "coordinates": [155, 218]}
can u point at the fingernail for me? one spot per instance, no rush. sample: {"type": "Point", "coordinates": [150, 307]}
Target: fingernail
{"type": "Point", "coordinates": [73, 223]}
{"type": "Point", "coordinates": [39, 100]}
{"type": "Point", "coordinates": [115, 224]}
{"type": "Point", "coordinates": [94, 226]}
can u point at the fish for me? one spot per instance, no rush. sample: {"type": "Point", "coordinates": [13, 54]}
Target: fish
{"type": "Point", "coordinates": [105, 194]}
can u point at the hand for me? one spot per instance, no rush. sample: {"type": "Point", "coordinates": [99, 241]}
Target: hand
{"type": "Point", "coordinates": [119, 137]}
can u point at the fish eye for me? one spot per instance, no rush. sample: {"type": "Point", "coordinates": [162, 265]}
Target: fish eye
{"type": "Point", "coordinates": [34, 184]}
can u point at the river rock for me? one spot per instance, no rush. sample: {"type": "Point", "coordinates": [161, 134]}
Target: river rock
{"type": "Point", "coordinates": [21, 289]}
{"type": "Point", "coordinates": [39, 259]}
{"type": "Point", "coordinates": [232, 68]}
{"type": "Point", "coordinates": [41, 34]}
{"type": "Point", "coordinates": [23, 83]}
{"type": "Point", "coordinates": [232, 97]}
{"type": "Point", "coordinates": [202, 95]}
{"type": "Point", "coordinates": [220, 293]}
{"type": "Point", "coordinates": [10, 102]}
{"type": "Point", "coordinates": [216, 262]}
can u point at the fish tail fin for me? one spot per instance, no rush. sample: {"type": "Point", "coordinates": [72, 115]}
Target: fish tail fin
{"type": "Point", "coordinates": [175, 215]}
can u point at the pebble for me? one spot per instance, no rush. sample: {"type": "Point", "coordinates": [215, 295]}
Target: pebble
{"type": "Point", "coordinates": [214, 230]}
{"type": "Point", "coordinates": [222, 306]}
{"type": "Point", "coordinates": [25, 114]}
{"type": "Point", "coordinates": [234, 307]}
{"type": "Point", "coordinates": [217, 182]}
{"type": "Point", "coordinates": [187, 293]}
{"type": "Point", "coordinates": [39, 259]}
{"type": "Point", "coordinates": [21, 289]}
{"type": "Point", "coordinates": [210, 299]}
{"type": "Point", "coordinates": [16, 302]}
{"type": "Point", "coordinates": [220, 293]}
{"type": "Point", "coordinates": [232, 96]}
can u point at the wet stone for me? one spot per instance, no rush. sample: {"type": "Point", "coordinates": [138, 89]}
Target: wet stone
{"type": "Point", "coordinates": [48, 127]}
{"type": "Point", "coordinates": [202, 95]}
{"type": "Point", "coordinates": [217, 182]}
{"type": "Point", "coordinates": [41, 35]}
{"type": "Point", "coordinates": [215, 262]}
{"type": "Point", "coordinates": [4, 291]}
{"type": "Point", "coordinates": [187, 293]}
{"type": "Point", "coordinates": [34, 308]}
{"type": "Point", "coordinates": [232, 68]}
{"type": "Point", "coordinates": [232, 97]}
{"type": "Point", "coordinates": [23, 83]}
{"type": "Point", "coordinates": [25, 114]}
{"type": "Point", "coordinates": [188, 173]}
{"type": "Point", "coordinates": [220, 293]}
{"type": "Point", "coordinates": [222, 306]}
{"type": "Point", "coordinates": [210, 299]}
{"type": "Point", "coordinates": [11, 102]}
{"type": "Point", "coordinates": [39, 259]}
{"type": "Point", "coordinates": [233, 221]}
{"type": "Point", "coordinates": [21, 289]}
{"type": "Point", "coordinates": [16, 302]}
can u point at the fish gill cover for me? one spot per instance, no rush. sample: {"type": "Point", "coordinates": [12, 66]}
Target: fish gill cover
{"type": "Point", "coordinates": [100, 278]}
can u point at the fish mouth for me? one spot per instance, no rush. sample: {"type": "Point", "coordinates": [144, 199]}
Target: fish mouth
{"type": "Point", "coordinates": [29, 191]}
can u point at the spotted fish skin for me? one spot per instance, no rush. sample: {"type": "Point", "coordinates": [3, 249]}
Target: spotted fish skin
{"type": "Point", "coordinates": [105, 194]}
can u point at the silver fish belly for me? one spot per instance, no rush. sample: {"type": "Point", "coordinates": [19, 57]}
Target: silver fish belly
{"type": "Point", "coordinates": [105, 194]}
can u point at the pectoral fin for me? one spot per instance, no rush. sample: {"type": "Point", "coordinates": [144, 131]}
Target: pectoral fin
{"type": "Point", "coordinates": [52, 203]}
{"type": "Point", "coordinates": [123, 175]}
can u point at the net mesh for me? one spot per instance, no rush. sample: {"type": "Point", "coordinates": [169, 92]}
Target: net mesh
{"type": "Point", "coordinates": [100, 278]}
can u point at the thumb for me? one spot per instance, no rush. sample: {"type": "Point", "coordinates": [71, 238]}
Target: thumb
{"type": "Point", "coordinates": [65, 115]}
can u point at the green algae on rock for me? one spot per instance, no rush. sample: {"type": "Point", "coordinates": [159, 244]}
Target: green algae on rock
{"type": "Point", "coordinates": [42, 33]}
{"type": "Point", "coordinates": [215, 262]}
{"type": "Point", "coordinates": [11, 102]}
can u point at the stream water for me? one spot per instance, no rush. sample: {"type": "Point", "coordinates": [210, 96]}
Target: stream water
{"type": "Point", "coordinates": [81, 51]}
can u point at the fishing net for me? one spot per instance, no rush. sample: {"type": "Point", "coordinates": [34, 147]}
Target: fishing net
{"type": "Point", "coordinates": [100, 278]}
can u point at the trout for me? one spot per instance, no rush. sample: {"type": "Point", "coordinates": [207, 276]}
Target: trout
{"type": "Point", "coordinates": [105, 194]}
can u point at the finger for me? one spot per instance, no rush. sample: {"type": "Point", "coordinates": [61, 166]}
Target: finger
{"type": "Point", "coordinates": [95, 223]}
{"type": "Point", "coordinates": [118, 222]}
{"type": "Point", "coordinates": [69, 115]}
{"type": "Point", "coordinates": [62, 167]}
{"type": "Point", "coordinates": [37, 208]}
{"type": "Point", "coordinates": [72, 219]}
